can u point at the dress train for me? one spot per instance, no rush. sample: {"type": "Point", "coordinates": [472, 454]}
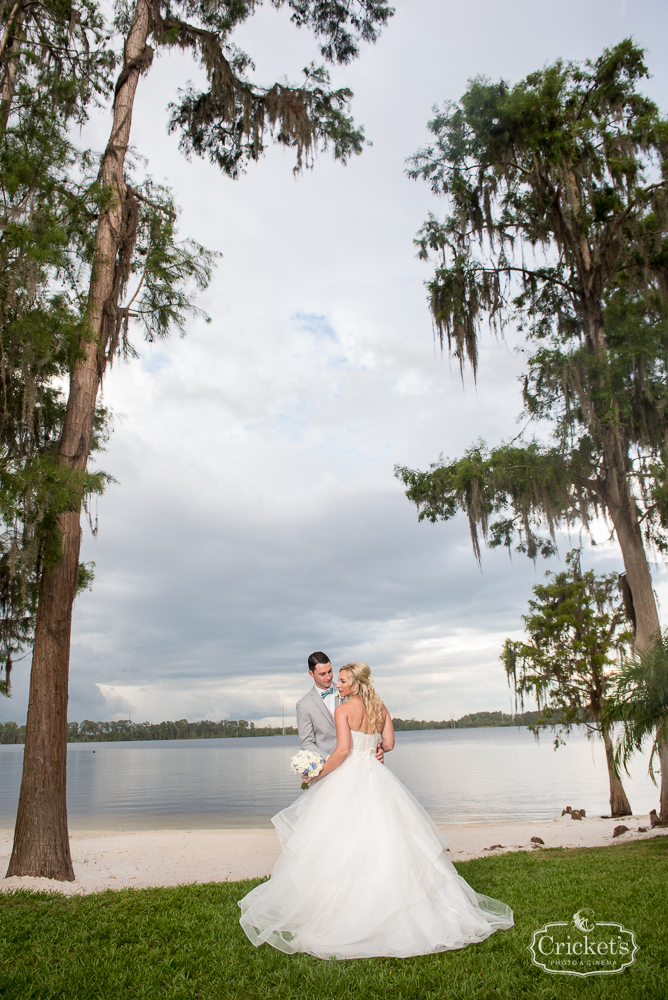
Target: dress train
{"type": "Point", "coordinates": [363, 873]}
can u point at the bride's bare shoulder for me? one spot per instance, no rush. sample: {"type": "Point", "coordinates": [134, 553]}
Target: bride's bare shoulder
{"type": "Point", "coordinates": [353, 710]}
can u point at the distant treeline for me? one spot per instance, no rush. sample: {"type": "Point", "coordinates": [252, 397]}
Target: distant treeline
{"type": "Point", "coordinates": [475, 720]}
{"type": "Point", "coordinates": [124, 729]}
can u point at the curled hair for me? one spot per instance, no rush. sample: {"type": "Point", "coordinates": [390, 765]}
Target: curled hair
{"type": "Point", "coordinates": [359, 676]}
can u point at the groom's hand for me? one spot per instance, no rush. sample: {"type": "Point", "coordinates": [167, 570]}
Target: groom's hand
{"type": "Point", "coordinates": [380, 755]}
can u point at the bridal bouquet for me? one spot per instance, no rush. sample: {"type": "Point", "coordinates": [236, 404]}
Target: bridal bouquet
{"type": "Point", "coordinates": [307, 764]}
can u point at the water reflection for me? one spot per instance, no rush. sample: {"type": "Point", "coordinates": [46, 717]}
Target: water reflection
{"type": "Point", "coordinates": [463, 775]}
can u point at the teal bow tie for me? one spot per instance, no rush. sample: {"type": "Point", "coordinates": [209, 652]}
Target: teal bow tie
{"type": "Point", "coordinates": [330, 690]}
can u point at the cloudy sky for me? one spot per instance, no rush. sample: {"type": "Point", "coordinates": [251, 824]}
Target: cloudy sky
{"type": "Point", "coordinates": [257, 517]}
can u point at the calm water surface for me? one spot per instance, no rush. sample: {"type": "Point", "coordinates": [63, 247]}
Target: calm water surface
{"type": "Point", "coordinates": [459, 775]}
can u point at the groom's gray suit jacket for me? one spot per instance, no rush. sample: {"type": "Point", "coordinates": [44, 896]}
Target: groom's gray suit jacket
{"type": "Point", "coordinates": [315, 722]}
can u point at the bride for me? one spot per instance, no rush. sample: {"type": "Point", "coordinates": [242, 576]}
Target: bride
{"type": "Point", "coordinates": [363, 871]}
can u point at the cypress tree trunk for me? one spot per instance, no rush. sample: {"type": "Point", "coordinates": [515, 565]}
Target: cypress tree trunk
{"type": "Point", "coordinates": [614, 488]}
{"type": "Point", "coordinates": [41, 843]}
{"type": "Point", "coordinates": [624, 515]}
{"type": "Point", "coordinates": [619, 804]}
{"type": "Point", "coordinates": [663, 795]}
{"type": "Point", "coordinates": [623, 512]}
{"type": "Point", "coordinates": [621, 506]}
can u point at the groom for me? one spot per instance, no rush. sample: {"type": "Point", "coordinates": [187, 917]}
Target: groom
{"type": "Point", "coordinates": [315, 711]}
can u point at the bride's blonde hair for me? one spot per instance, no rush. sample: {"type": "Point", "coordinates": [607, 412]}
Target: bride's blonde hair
{"type": "Point", "coordinates": [359, 677]}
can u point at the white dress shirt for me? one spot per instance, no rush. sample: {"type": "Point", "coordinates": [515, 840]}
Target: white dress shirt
{"type": "Point", "coordinates": [329, 701]}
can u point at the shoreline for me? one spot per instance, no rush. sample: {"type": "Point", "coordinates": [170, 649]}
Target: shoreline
{"type": "Point", "coordinates": [117, 859]}
{"type": "Point", "coordinates": [250, 824]}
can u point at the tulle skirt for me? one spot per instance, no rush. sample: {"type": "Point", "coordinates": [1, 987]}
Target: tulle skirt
{"type": "Point", "coordinates": [363, 873]}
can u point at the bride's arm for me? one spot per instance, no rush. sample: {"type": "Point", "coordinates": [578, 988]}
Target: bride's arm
{"type": "Point", "coordinates": [387, 740]}
{"type": "Point", "coordinates": [342, 741]}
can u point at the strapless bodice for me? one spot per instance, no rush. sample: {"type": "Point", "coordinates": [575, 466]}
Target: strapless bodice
{"type": "Point", "coordinates": [363, 743]}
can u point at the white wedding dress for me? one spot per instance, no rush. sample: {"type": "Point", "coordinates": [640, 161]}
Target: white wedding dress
{"type": "Point", "coordinates": [363, 873]}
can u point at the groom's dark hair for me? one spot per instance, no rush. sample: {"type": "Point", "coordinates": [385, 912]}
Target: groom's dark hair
{"type": "Point", "coordinates": [316, 658]}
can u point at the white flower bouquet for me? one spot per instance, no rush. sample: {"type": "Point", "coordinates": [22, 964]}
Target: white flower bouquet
{"type": "Point", "coordinates": [307, 764]}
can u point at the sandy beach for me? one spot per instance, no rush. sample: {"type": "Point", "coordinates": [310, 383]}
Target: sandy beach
{"type": "Point", "coordinates": [120, 859]}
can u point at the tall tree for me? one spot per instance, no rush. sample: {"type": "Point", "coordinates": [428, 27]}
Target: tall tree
{"type": "Point", "coordinates": [228, 123]}
{"type": "Point", "coordinates": [576, 628]}
{"type": "Point", "coordinates": [49, 200]}
{"type": "Point", "coordinates": [559, 225]}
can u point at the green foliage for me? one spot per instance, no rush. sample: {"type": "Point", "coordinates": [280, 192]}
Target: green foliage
{"type": "Point", "coordinates": [340, 23]}
{"type": "Point", "coordinates": [32, 494]}
{"type": "Point", "coordinates": [55, 62]}
{"type": "Point", "coordinates": [537, 483]}
{"type": "Point", "coordinates": [86, 576]}
{"type": "Point", "coordinates": [304, 118]}
{"type": "Point", "coordinates": [11, 733]}
{"type": "Point", "coordinates": [562, 165]}
{"type": "Point", "coordinates": [639, 700]}
{"type": "Point", "coordinates": [166, 272]}
{"type": "Point", "coordinates": [228, 121]}
{"type": "Point", "coordinates": [204, 729]}
{"type": "Point", "coordinates": [55, 51]}
{"type": "Point", "coordinates": [125, 729]}
{"type": "Point", "coordinates": [558, 225]}
{"type": "Point", "coordinates": [577, 634]}
{"type": "Point", "coordinates": [185, 943]}
{"type": "Point", "coordinates": [474, 720]}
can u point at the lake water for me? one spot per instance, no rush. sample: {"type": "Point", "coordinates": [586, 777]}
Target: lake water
{"type": "Point", "coordinates": [459, 775]}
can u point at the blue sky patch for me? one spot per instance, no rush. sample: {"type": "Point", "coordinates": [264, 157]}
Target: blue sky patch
{"type": "Point", "coordinates": [317, 325]}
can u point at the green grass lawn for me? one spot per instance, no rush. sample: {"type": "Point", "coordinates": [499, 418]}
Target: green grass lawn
{"type": "Point", "coordinates": [185, 942]}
